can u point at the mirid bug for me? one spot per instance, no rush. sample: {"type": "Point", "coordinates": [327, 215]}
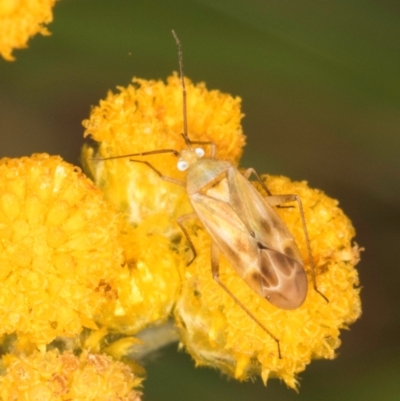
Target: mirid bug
{"type": "Point", "coordinates": [242, 223]}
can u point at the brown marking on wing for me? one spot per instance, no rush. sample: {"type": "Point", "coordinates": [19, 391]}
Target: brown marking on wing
{"type": "Point", "coordinates": [281, 260]}
{"type": "Point", "coordinates": [265, 225]}
{"type": "Point", "coordinates": [288, 289]}
{"type": "Point", "coordinates": [290, 252]}
{"type": "Point", "coordinates": [253, 279]}
{"type": "Point", "coordinates": [268, 274]}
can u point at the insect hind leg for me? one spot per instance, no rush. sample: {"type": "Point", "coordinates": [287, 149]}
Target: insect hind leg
{"type": "Point", "coordinates": [251, 171]}
{"type": "Point", "coordinates": [215, 256]}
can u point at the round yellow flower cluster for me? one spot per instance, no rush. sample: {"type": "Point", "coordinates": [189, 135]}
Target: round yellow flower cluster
{"type": "Point", "coordinates": [60, 255]}
{"type": "Point", "coordinates": [218, 333]}
{"type": "Point", "coordinates": [61, 274]}
{"type": "Point", "coordinates": [147, 117]}
{"type": "Point", "coordinates": [71, 261]}
{"type": "Point", "coordinates": [146, 295]}
{"type": "Point", "coordinates": [20, 20]}
{"type": "Point", "coordinates": [55, 377]}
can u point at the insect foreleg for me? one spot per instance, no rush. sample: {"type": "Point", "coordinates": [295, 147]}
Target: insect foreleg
{"type": "Point", "coordinates": [162, 176]}
{"type": "Point", "coordinates": [180, 221]}
{"type": "Point", "coordinates": [277, 200]}
{"type": "Point", "coordinates": [215, 256]}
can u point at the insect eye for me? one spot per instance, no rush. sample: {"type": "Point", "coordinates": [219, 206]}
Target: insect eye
{"type": "Point", "coordinates": [199, 152]}
{"type": "Point", "coordinates": [182, 165]}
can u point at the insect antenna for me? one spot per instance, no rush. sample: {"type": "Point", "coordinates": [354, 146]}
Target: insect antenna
{"type": "Point", "coordinates": [184, 101]}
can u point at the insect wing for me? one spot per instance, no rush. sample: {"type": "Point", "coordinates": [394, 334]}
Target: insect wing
{"type": "Point", "coordinates": [255, 241]}
{"type": "Point", "coordinates": [283, 277]}
{"type": "Point", "coordinates": [230, 235]}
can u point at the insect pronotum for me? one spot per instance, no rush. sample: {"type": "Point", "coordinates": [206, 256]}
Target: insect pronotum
{"type": "Point", "coordinates": [242, 223]}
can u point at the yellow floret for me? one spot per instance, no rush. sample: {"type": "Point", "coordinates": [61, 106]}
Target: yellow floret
{"type": "Point", "coordinates": [148, 289]}
{"type": "Point", "coordinates": [56, 377]}
{"type": "Point", "coordinates": [59, 250]}
{"type": "Point", "coordinates": [218, 333]}
{"type": "Point", "coordinates": [21, 19]}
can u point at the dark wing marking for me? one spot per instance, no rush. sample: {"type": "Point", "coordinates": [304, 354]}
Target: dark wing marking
{"type": "Point", "coordinates": [284, 281]}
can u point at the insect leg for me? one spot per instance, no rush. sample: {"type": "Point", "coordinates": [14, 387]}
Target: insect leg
{"type": "Point", "coordinates": [151, 152]}
{"type": "Point", "coordinates": [162, 176]}
{"type": "Point", "coordinates": [277, 200]}
{"type": "Point", "coordinates": [215, 256]}
{"type": "Point", "coordinates": [180, 221]}
{"type": "Point", "coordinates": [250, 171]}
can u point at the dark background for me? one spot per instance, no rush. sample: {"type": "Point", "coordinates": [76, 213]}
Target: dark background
{"type": "Point", "coordinates": [320, 83]}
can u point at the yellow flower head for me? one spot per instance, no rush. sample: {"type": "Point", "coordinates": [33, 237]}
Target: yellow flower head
{"type": "Point", "coordinates": [21, 19]}
{"type": "Point", "coordinates": [215, 329]}
{"type": "Point", "coordinates": [148, 116]}
{"type": "Point", "coordinates": [59, 250]}
{"type": "Point", "coordinates": [52, 376]}
{"type": "Point", "coordinates": [218, 333]}
{"type": "Point", "coordinates": [149, 286]}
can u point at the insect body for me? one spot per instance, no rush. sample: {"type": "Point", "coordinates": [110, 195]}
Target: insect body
{"type": "Point", "coordinates": [243, 224]}
{"type": "Point", "coordinates": [245, 228]}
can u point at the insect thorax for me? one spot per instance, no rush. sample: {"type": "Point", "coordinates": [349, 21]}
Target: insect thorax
{"type": "Point", "coordinates": [205, 173]}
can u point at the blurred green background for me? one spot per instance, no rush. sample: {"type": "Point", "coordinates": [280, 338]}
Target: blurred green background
{"type": "Point", "coordinates": [320, 83]}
